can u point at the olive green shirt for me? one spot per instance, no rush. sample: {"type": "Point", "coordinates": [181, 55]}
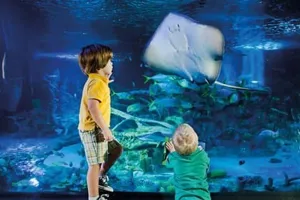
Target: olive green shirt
{"type": "Point", "coordinates": [190, 175]}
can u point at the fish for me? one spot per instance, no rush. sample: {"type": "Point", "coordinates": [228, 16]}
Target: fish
{"type": "Point", "coordinates": [169, 102]}
{"type": "Point", "coordinates": [183, 47]}
{"type": "Point", "coordinates": [169, 87]}
{"type": "Point", "coordinates": [122, 95]}
{"type": "Point", "coordinates": [158, 78]}
{"type": "Point", "coordinates": [279, 111]}
{"type": "Point", "coordinates": [136, 107]}
{"type": "Point", "coordinates": [188, 85]}
{"type": "Point", "coordinates": [268, 134]}
{"type": "Point", "coordinates": [233, 98]}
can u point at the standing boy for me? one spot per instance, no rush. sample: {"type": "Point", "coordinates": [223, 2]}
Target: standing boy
{"type": "Point", "coordinates": [101, 148]}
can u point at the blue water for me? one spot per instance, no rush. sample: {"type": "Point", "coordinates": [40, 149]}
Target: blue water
{"type": "Point", "coordinates": [251, 138]}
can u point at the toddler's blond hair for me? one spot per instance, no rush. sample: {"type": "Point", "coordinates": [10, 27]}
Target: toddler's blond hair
{"type": "Point", "coordinates": [185, 139]}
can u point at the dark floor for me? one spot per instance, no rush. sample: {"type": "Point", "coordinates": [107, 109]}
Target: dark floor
{"type": "Point", "coordinates": [156, 196]}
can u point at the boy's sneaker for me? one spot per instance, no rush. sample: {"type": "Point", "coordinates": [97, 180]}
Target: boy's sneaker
{"type": "Point", "coordinates": [103, 197]}
{"type": "Point", "coordinates": [103, 184]}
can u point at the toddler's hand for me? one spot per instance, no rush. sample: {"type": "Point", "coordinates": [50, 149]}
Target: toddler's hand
{"type": "Point", "coordinates": [170, 147]}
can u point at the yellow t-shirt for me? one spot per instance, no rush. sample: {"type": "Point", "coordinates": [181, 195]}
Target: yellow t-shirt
{"type": "Point", "coordinates": [96, 87]}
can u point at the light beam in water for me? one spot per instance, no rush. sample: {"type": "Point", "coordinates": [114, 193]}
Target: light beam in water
{"type": "Point", "coordinates": [3, 66]}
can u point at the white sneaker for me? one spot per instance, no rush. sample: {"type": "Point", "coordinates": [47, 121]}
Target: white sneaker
{"type": "Point", "coordinates": [103, 184]}
{"type": "Point", "coordinates": [103, 197]}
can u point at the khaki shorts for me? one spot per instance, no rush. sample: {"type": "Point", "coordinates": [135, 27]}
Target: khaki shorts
{"type": "Point", "coordinates": [95, 147]}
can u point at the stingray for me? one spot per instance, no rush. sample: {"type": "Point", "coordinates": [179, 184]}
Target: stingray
{"type": "Point", "coordinates": [181, 46]}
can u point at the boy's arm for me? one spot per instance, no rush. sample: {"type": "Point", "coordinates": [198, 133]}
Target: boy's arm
{"type": "Point", "coordinates": [95, 96]}
{"type": "Point", "coordinates": [170, 160]}
{"type": "Point", "coordinates": [98, 118]}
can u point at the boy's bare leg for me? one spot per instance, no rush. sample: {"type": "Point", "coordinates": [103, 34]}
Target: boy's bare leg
{"type": "Point", "coordinates": [112, 157]}
{"type": "Point", "coordinates": [93, 181]}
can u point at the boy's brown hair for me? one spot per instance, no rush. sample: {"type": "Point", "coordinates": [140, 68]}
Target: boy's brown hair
{"type": "Point", "coordinates": [185, 139]}
{"type": "Point", "coordinates": [94, 57]}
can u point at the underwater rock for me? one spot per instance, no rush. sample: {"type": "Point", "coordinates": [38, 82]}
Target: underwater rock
{"type": "Point", "coordinates": [3, 183]}
{"type": "Point", "coordinates": [146, 164]}
{"type": "Point", "coordinates": [228, 134]}
{"type": "Point", "coordinates": [71, 155]}
{"type": "Point", "coordinates": [269, 186]}
{"type": "Point", "coordinates": [62, 179]}
{"type": "Point", "coordinates": [275, 160]}
{"type": "Point", "coordinates": [223, 185]}
{"type": "Point", "coordinates": [249, 181]}
{"type": "Point", "coordinates": [288, 181]}
{"type": "Point", "coordinates": [149, 182]}
{"type": "Point", "coordinates": [28, 184]}
{"type": "Point", "coordinates": [224, 189]}
{"type": "Point", "coordinates": [3, 171]}
{"type": "Point", "coordinates": [3, 163]}
{"type": "Point", "coordinates": [121, 180]}
{"type": "Point", "coordinates": [66, 140]}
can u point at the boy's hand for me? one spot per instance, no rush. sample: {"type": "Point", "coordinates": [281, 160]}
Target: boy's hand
{"type": "Point", "coordinates": [170, 147]}
{"type": "Point", "coordinates": [108, 135]}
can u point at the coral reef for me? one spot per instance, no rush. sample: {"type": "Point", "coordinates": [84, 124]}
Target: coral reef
{"type": "Point", "coordinates": [235, 126]}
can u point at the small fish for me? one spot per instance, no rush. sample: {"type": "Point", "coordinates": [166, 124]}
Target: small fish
{"type": "Point", "coordinates": [54, 75]}
{"type": "Point", "coordinates": [60, 163]}
{"type": "Point", "coordinates": [122, 95]}
{"type": "Point", "coordinates": [159, 78]}
{"type": "Point", "coordinates": [136, 107]}
{"type": "Point", "coordinates": [168, 102]}
{"type": "Point", "coordinates": [279, 111]}
{"type": "Point", "coordinates": [241, 162]}
{"type": "Point", "coordinates": [233, 98]}
{"type": "Point", "coordinates": [74, 33]}
{"type": "Point", "coordinates": [174, 119]}
{"type": "Point", "coordinates": [269, 133]}
{"type": "Point", "coordinates": [139, 92]}
{"type": "Point", "coordinates": [189, 85]}
{"type": "Point", "coordinates": [168, 87]}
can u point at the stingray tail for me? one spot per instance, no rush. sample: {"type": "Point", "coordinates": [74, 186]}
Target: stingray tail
{"type": "Point", "coordinates": [263, 90]}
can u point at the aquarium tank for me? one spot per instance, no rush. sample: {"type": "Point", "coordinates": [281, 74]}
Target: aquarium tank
{"type": "Point", "coordinates": [250, 131]}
